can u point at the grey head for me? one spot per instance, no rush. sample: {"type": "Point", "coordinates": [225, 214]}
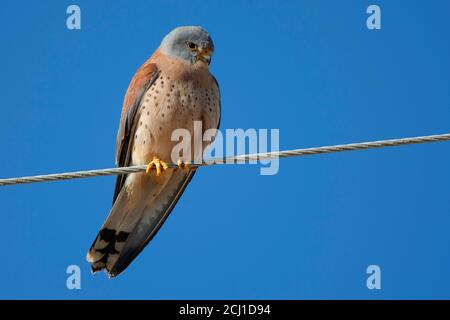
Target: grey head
{"type": "Point", "coordinates": [191, 44]}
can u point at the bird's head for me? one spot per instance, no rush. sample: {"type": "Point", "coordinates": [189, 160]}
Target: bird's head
{"type": "Point", "coordinates": [191, 44]}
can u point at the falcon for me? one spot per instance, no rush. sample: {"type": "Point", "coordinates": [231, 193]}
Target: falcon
{"type": "Point", "coordinates": [170, 91]}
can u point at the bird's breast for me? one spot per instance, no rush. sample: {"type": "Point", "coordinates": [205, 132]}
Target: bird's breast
{"type": "Point", "coordinates": [171, 104]}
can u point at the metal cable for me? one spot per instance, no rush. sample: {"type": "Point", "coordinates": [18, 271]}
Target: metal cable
{"type": "Point", "coordinates": [235, 159]}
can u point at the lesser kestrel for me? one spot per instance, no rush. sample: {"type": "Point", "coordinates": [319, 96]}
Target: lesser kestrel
{"type": "Point", "coordinates": [171, 90]}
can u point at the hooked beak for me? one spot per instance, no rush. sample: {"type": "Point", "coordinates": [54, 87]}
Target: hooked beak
{"type": "Point", "coordinates": [205, 55]}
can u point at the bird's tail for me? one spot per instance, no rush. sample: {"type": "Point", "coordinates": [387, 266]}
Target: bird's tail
{"type": "Point", "coordinates": [134, 220]}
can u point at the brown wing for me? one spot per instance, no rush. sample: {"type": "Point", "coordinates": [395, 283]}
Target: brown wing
{"type": "Point", "coordinates": [220, 102]}
{"type": "Point", "coordinates": [143, 79]}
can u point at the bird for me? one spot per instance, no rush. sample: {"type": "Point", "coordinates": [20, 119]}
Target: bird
{"type": "Point", "coordinates": [172, 90]}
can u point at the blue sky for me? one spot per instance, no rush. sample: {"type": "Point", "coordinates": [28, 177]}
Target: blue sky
{"type": "Point", "coordinates": [311, 69]}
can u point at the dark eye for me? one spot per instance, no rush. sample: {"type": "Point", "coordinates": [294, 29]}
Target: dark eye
{"type": "Point", "coordinates": [191, 45]}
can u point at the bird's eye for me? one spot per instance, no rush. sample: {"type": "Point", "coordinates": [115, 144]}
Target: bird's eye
{"type": "Point", "coordinates": [191, 45]}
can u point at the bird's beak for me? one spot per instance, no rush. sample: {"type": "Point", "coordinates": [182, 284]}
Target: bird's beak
{"type": "Point", "coordinates": [205, 55]}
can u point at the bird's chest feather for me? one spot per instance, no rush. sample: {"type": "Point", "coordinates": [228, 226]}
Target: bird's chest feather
{"type": "Point", "coordinates": [169, 105]}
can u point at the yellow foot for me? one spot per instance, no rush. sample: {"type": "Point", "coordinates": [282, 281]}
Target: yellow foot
{"type": "Point", "coordinates": [185, 166]}
{"type": "Point", "coordinates": [158, 164]}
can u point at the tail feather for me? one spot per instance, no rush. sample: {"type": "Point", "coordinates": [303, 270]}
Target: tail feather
{"type": "Point", "coordinates": [133, 221]}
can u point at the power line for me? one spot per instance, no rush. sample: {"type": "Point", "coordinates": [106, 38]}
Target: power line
{"type": "Point", "coordinates": [231, 160]}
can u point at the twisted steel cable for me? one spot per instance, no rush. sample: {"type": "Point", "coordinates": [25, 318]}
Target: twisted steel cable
{"type": "Point", "coordinates": [231, 160]}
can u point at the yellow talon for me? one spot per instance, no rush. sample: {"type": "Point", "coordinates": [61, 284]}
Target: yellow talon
{"type": "Point", "coordinates": [165, 166]}
{"type": "Point", "coordinates": [185, 166]}
{"type": "Point", "coordinates": [158, 164]}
